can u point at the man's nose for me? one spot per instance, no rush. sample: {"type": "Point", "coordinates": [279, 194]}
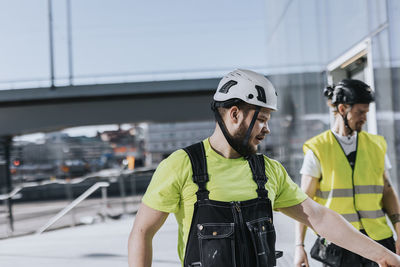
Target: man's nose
{"type": "Point", "coordinates": [364, 117]}
{"type": "Point", "coordinates": [266, 129]}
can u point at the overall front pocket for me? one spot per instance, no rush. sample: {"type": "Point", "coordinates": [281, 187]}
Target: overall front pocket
{"type": "Point", "coordinates": [263, 236]}
{"type": "Point", "coordinates": [217, 244]}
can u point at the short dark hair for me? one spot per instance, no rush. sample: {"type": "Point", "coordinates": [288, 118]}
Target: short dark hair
{"type": "Point", "coordinates": [245, 107]}
{"type": "Point", "coordinates": [335, 106]}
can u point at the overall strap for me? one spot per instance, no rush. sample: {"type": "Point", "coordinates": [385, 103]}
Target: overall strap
{"type": "Point", "coordinates": [197, 156]}
{"type": "Point", "coordinates": [257, 165]}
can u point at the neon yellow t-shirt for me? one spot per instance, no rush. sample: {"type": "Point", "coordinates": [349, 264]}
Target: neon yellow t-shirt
{"type": "Point", "coordinates": [172, 189]}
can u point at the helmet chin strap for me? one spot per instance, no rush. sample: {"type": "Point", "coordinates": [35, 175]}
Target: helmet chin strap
{"type": "Point", "coordinates": [241, 148]}
{"type": "Point", "coordinates": [346, 123]}
{"type": "Point", "coordinates": [251, 126]}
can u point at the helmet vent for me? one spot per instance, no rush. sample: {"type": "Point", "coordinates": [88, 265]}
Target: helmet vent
{"type": "Point", "coordinates": [261, 94]}
{"type": "Point", "coordinates": [225, 88]}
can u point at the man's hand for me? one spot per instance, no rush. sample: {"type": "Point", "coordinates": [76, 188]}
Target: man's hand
{"type": "Point", "coordinates": [391, 205]}
{"type": "Point", "coordinates": [300, 257]}
{"type": "Point", "coordinates": [397, 246]}
{"type": "Point", "coordinates": [336, 229]}
{"type": "Point", "coordinates": [390, 260]}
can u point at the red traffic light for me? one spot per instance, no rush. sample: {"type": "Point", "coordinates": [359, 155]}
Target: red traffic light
{"type": "Point", "coordinates": [16, 162]}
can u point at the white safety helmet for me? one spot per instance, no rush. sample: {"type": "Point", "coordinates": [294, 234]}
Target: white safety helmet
{"type": "Point", "coordinates": [249, 86]}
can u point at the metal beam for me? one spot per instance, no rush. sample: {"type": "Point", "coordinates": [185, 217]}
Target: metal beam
{"type": "Point", "coordinates": [31, 110]}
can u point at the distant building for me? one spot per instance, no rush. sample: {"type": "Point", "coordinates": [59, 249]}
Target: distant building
{"type": "Point", "coordinates": [164, 138]}
{"type": "Point", "coordinates": [127, 144]}
{"type": "Point", "coordinates": [58, 155]}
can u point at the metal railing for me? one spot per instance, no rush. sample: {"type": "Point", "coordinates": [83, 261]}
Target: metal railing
{"type": "Point", "coordinates": [126, 181]}
{"type": "Point", "coordinates": [73, 204]}
{"type": "Point", "coordinates": [112, 175]}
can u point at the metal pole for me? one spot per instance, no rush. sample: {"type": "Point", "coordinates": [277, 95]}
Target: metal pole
{"type": "Point", "coordinates": [104, 202]}
{"type": "Point", "coordinates": [68, 189]}
{"type": "Point", "coordinates": [132, 179]}
{"type": "Point", "coordinates": [122, 192]}
{"type": "Point", "coordinates": [6, 145]}
{"type": "Point", "coordinates": [51, 45]}
{"type": "Point", "coordinates": [69, 31]}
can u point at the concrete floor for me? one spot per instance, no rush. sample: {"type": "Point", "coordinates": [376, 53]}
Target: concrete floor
{"type": "Point", "coordinates": [105, 244]}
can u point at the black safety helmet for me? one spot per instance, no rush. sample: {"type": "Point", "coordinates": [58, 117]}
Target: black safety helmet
{"type": "Point", "coordinates": [349, 91]}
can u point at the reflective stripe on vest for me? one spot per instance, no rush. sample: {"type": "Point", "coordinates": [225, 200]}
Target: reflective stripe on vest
{"type": "Point", "coordinates": [356, 195]}
{"type": "Point", "coordinates": [358, 189]}
{"type": "Point", "coordinates": [369, 214]}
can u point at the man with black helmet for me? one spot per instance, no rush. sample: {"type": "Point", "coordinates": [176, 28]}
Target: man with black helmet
{"type": "Point", "coordinates": [345, 169]}
{"type": "Point", "coordinates": [222, 193]}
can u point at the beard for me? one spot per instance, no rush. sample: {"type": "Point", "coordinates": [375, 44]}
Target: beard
{"type": "Point", "coordinates": [359, 126]}
{"type": "Point", "coordinates": [237, 139]}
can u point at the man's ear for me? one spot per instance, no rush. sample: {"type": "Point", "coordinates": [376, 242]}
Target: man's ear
{"type": "Point", "coordinates": [342, 109]}
{"type": "Point", "coordinates": [234, 114]}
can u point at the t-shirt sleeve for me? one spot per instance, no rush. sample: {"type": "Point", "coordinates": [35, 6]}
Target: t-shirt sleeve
{"type": "Point", "coordinates": [388, 165]}
{"type": "Point", "coordinates": [311, 165]}
{"type": "Point", "coordinates": [164, 190]}
{"type": "Point", "coordinates": [288, 192]}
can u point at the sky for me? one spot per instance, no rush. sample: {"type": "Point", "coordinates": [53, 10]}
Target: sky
{"type": "Point", "coordinates": [131, 40]}
{"type": "Point", "coordinates": [118, 38]}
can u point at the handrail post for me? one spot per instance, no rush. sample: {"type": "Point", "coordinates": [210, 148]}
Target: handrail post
{"type": "Point", "coordinates": [122, 192]}
{"type": "Point", "coordinates": [10, 224]}
{"type": "Point", "coordinates": [132, 179]}
{"type": "Point", "coordinates": [104, 202]}
{"type": "Point", "coordinates": [70, 197]}
{"type": "Point", "coordinates": [6, 142]}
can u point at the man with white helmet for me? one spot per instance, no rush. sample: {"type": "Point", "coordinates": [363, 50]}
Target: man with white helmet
{"type": "Point", "coordinates": [222, 193]}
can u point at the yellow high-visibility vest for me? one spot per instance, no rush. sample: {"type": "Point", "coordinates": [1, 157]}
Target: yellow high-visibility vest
{"type": "Point", "coordinates": [356, 195]}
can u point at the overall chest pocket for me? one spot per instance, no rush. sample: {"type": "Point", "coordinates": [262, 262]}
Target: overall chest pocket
{"type": "Point", "coordinates": [216, 244]}
{"type": "Point", "coordinates": [263, 236]}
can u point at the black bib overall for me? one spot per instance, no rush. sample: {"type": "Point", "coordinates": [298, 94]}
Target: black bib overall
{"type": "Point", "coordinates": [231, 234]}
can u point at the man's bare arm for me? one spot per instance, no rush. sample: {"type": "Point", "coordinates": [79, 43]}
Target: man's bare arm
{"type": "Point", "coordinates": [147, 222]}
{"type": "Point", "coordinates": [392, 207]}
{"type": "Point", "coordinates": [335, 228]}
{"type": "Point", "coordinates": [309, 185]}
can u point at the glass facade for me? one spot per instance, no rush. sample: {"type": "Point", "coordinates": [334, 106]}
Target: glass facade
{"type": "Point", "coordinates": [304, 37]}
